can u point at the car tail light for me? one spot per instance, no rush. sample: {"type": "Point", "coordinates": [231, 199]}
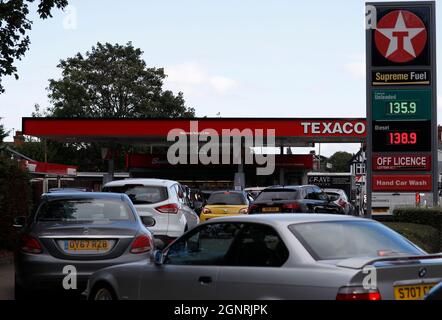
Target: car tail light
{"type": "Point", "coordinates": [341, 203]}
{"type": "Point", "coordinates": [291, 206]}
{"type": "Point", "coordinates": [358, 293]}
{"type": "Point", "coordinates": [252, 208]}
{"type": "Point", "coordinates": [168, 208]}
{"type": "Point", "coordinates": [418, 199]}
{"type": "Point", "coordinates": [141, 244]}
{"type": "Point", "coordinates": [244, 210]}
{"type": "Point", "coordinates": [207, 211]}
{"type": "Point", "coordinates": [30, 245]}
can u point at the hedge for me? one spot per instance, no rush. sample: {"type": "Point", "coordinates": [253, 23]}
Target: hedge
{"type": "Point", "coordinates": [426, 237]}
{"type": "Point", "coordinates": [421, 216]}
{"type": "Point", "coordinates": [427, 216]}
{"type": "Point", "coordinates": [15, 199]}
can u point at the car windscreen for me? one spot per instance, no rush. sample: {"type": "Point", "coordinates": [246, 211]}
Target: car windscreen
{"type": "Point", "coordinates": [336, 240]}
{"type": "Point", "coordinates": [84, 210]}
{"type": "Point", "coordinates": [227, 198]}
{"type": "Point", "coordinates": [275, 195]}
{"type": "Point", "coordinates": [333, 195]}
{"type": "Point", "coordinates": [140, 194]}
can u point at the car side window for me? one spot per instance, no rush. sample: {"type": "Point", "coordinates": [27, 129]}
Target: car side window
{"type": "Point", "coordinates": [178, 191]}
{"type": "Point", "coordinates": [319, 194]}
{"type": "Point", "coordinates": [257, 245]}
{"type": "Point", "coordinates": [207, 245]}
{"type": "Point", "coordinates": [309, 194]}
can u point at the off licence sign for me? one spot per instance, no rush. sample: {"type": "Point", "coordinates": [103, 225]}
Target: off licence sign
{"type": "Point", "coordinates": [405, 183]}
{"type": "Point", "coordinates": [404, 162]}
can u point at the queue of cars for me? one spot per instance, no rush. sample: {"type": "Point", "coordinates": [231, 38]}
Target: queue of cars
{"type": "Point", "coordinates": [141, 239]}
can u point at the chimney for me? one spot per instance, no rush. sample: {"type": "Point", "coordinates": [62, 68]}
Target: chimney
{"type": "Point", "coordinates": [19, 139]}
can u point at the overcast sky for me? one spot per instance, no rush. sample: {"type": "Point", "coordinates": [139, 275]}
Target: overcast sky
{"type": "Point", "coordinates": [239, 58]}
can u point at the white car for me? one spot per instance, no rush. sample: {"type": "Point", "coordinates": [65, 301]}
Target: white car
{"type": "Point", "coordinates": [340, 198]}
{"type": "Point", "coordinates": [161, 204]}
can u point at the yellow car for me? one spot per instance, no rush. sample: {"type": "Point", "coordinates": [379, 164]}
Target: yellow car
{"type": "Point", "coordinates": [224, 204]}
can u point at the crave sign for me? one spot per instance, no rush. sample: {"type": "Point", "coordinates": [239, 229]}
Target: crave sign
{"type": "Point", "coordinates": [401, 98]}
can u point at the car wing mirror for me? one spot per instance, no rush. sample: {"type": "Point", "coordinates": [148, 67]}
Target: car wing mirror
{"type": "Point", "coordinates": [159, 257]}
{"type": "Point", "coordinates": [19, 222]}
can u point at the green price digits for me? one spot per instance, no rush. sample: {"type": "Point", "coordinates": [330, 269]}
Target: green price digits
{"type": "Point", "coordinates": [402, 107]}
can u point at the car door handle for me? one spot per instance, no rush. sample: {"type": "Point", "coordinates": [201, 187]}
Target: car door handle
{"type": "Point", "coordinates": [205, 280]}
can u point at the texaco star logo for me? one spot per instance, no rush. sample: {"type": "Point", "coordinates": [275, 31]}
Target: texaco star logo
{"type": "Point", "coordinates": [400, 36]}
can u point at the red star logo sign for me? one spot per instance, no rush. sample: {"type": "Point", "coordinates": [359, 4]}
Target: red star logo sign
{"type": "Point", "coordinates": [400, 36]}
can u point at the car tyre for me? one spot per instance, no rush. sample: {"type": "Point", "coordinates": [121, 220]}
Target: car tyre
{"type": "Point", "coordinates": [103, 292]}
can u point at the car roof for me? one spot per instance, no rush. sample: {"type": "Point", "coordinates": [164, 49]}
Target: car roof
{"type": "Point", "coordinates": [147, 182]}
{"type": "Point", "coordinates": [83, 195]}
{"type": "Point", "coordinates": [282, 188]}
{"type": "Point", "coordinates": [333, 190]}
{"type": "Point", "coordinates": [287, 218]}
{"type": "Point", "coordinates": [228, 191]}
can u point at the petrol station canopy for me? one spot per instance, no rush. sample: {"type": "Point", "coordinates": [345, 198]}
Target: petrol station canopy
{"type": "Point", "coordinates": [288, 131]}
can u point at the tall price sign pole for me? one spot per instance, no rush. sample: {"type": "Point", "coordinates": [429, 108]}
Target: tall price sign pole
{"type": "Point", "coordinates": [401, 98]}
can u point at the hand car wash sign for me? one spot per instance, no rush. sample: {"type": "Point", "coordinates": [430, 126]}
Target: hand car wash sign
{"type": "Point", "coordinates": [401, 98]}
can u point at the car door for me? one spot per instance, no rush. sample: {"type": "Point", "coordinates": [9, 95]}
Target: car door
{"type": "Point", "coordinates": [254, 266]}
{"type": "Point", "coordinates": [191, 266]}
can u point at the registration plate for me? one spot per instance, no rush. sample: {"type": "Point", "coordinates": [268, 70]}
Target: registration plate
{"type": "Point", "coordinates": [412, 292]}
{"type": "Point", "coordinates": [380, 210]}
{"type": "Point", "coordinates": [86, 245]}
{"type": "Point", "coordinates": [271, 209]}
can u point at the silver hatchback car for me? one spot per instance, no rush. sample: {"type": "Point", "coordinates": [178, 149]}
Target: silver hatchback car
{"type": "Point", "coordinates": [77, 232]}
{"type": "Point", "coordinates": [284, 256]}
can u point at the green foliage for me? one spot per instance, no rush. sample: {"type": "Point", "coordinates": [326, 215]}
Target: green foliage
{"type": "Point", "coordinates": [340, 161]}
{"type": "Point", "coordinates": [109, 81]}
{"type": "Point", "coordinates": [422, 216]}
{"type": "Point", "coordinates": [85, 155]}
{"type": "Point", "coordinates": [113, 81]}
{"type": "Point", "coordinates": [426, 237]}
{"type": "Point", "coordinates": [15, 199]}
{"type": "Point", "coordinates": [425, 216]}
{"type": "Point", "coordinates": [14, 28]}
{"type": "Point", "coordinates": [3, 133]}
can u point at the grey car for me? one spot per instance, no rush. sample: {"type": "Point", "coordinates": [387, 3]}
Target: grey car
{"type": "Point", "coordinates": [85, 231]}
{"type": "Point", "coordinates": [290, 256]}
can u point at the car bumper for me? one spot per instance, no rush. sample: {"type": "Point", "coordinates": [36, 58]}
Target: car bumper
{"type": "Point", "coordinates": [41, 272]}
{"type": "Point", "coordinates": [208, 216]}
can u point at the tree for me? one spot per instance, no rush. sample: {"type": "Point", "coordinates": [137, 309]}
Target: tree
{"type": "Point", "coordinates": [15, 195]}
{"type": "Point", "coordinates": [3, 133]}
{"type": "Point", "coordinates": [109, 81]}
{"type": "Point", "coordinates": [14, 26]}
{"type": "Point", "coordinates": [113, 81]}
{"type": "Point", "coordinates": [341, 161]}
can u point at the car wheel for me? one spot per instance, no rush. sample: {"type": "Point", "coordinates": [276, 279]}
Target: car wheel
{"type": "Point", "coordinates": [103, 292]}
